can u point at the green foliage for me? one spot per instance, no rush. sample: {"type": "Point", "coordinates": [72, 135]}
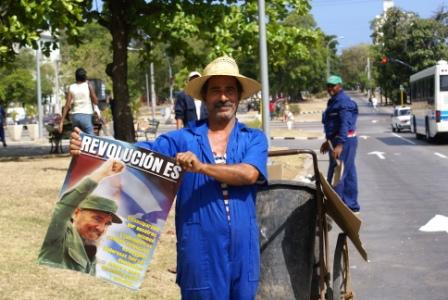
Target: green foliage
{"type": "Point", "coordinates": [188, 33]}
{"type": "Point", "coordinates": [23, 21]}
{"type": "Point", "coordinates": [31, 110]}
{"type": "Point", "coordinates": [93, 53]}
{"type": "Point", "coordinates": [407, 39]}
{"type": "Point", "coordinates": [17, 84]}
{"type": "Point", "coordinates": [354, 62]}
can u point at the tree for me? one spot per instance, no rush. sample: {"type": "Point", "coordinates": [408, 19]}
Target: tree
{"type": "Point", "coordinates": [21, 23]}
{"type": "Point", "coordinates": [17, 84]}
{"type": "Point", "coordinates": [410, 43]}
{"type": "Point", "coordinates": [226, 27]}
{"type": "Point", "coordinates": [354, 63]}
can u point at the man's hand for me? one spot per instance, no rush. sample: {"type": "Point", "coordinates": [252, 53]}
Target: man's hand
{"type": "Point", "coordinates": [338, 151]}
{"type": "Point", "coordinates": [325, 147]}
{"type": "Point", "coordinates": [75, 142]}
{"type": "Point", "coordinates": [189, 162]}
{"type": "Point", "coordinates": [109, 168]}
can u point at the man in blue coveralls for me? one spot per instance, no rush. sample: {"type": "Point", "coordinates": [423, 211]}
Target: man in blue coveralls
{"type": "Point", "coordinates": [339, 121]}
{"type": "Point", "coordinates": [218, 255]}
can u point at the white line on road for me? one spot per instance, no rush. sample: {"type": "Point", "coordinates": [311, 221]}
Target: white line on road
{"type": "Point", "coordinates": [377, 153]}
{"type": "Point", "coordinates": [437, 223]}
{"type": "Point", "coordinates": [440, 155]}
{"type": "Point", "coordinates": [404, 139]}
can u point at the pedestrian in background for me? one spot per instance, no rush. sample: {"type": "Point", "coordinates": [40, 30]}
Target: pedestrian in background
{"type": "Point", "coordinates": [218, 251]}
{"type": "Point", "coordinates": [188, 110]}
{"type": "Point", "coordinates": [374, 102]}
{"type": "Point", "coordinates": [79, 103]}
{"type": "Point", "coordinates": [2, 125]}
{"type": "Point", "coordinates": [339, 121]}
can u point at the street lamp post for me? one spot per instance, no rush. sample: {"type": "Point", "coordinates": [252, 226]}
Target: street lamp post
{"type": "Point", "coordinates": [43, 37]}
{"type": "Point", "coordinates": [39, 92]}
{"type": "Point", "coordinates": [328, 52]}
{"type": "Point", "coordinates": [264, 68]}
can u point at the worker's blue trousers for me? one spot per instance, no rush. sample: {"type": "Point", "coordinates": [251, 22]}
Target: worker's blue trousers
{"type": "Point", "coordinates": [347, 188]}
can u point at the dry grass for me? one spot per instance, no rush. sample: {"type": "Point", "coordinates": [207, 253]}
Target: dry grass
{"type": "Point", "coordinates": [29, 190]}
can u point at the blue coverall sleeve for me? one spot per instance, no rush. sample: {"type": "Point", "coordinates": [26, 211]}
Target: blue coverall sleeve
{"type": "Point", "coordinates": [344, 115]}
{"type": "Point", "coordinates": [257, 153]}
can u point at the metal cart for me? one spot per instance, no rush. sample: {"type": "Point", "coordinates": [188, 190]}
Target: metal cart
{"type": "Point", "coordinates": [294, 239]}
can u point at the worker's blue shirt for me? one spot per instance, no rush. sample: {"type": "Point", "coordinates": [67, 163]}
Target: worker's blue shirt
{"type": "Point", "coordinates": [207, 241]}
{"type": "Point", "coordinates": [339, 118]}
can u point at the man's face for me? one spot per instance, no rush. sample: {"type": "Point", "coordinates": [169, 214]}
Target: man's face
{"type": "Point", "coordinates": [222, 97]}
{"type": "Point", "coordinates": [91, 224]}
{"type": "Point", "coordinates": [333, 89]}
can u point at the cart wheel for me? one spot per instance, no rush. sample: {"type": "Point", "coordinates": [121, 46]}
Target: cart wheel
{"type": "Point", "coordinates": [341, 273]}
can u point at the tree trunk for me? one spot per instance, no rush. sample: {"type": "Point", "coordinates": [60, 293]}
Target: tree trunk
{"type": "Point", "coordinates": [118, 70]}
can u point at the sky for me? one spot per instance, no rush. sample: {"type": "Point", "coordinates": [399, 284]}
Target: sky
{"type": "Point", "coordinates": [351, 18]}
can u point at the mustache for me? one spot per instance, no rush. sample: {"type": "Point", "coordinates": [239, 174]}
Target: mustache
{"type": "Point", "coordinates": [223, 104]}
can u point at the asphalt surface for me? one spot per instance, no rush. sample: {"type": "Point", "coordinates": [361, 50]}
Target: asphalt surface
{"type": "Point", "coordinates": [402, 187]}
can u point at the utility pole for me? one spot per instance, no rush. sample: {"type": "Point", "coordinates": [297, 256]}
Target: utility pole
{"type": "Point", "coordinates": [369, 77]}
{"type": "Point", "coordinates": [153, 91]}
{"type": "Point", "coordinates": [264, 68]}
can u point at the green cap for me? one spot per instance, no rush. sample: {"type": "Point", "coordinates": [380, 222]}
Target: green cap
{"type": "Point", "coordinates": [334, 79]}
{"type": "Point", "coordinates": [99, 203]}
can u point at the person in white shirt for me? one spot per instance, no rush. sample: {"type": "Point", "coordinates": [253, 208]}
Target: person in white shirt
{"type": "Point", "coordinates": [79, 103]}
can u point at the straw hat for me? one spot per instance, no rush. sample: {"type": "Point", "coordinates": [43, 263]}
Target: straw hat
{"type": "Point", "coordinates": [222, 66]}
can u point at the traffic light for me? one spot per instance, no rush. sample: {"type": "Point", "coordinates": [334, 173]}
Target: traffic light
{"type": "Point", "coordinates": [384, 60]}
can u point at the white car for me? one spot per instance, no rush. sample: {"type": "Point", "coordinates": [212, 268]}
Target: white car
{"type": "Point", "coordinates": [401, 118]}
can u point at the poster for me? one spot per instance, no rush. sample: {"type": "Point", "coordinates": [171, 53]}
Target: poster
{"type": "Point", "coordinates": [112, 209]}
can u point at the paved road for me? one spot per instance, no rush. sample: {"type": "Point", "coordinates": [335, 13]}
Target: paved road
{"type": "Point", "coordinates": [403, 185]}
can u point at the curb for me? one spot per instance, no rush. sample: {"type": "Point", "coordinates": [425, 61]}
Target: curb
{"type": "Point", "coordinates": [310, 112]}
{"type": "Point", "coordinates": [295, 138]}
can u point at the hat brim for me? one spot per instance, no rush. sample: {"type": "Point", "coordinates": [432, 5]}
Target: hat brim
{"type": "Point", "coordinates": [250, 86]}
{"type": "Point", "coordinates": [115, 218]}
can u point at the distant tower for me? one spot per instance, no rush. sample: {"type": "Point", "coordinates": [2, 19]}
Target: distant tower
{"type": "Point", "coordinates": [387, 4]}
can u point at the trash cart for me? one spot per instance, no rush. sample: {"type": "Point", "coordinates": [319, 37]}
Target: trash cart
{"type": "Point", "coordinates": [293, 220]}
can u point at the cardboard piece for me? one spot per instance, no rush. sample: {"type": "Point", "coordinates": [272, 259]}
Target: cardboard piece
{"type": "Point", "coordinates": [342, 215]}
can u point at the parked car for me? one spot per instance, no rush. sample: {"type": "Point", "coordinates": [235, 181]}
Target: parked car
{"type": "Point", "coordinates": [401, 118]}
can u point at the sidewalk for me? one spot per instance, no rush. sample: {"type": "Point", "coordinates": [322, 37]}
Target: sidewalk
{"type": "Point", "coordinates": [27, 148]}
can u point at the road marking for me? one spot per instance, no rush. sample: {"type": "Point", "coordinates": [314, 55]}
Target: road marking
{"type": "Point", "coordinates": [364, 137]}
{"type": "Point", "coordinates": [439, 154]}
{"type": "Point", "coordinates": [437, 223]}
{"type": "Point", "coordinates": [374, 121]}
{"type": "Point", "coordinates": [404, 139]}
{"type": "Point", "coordinates": [377, 153]}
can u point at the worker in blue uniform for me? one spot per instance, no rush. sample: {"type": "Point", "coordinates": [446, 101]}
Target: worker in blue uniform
{"type": "Point", "coordinates": [339, 121]}
{"type": "Point", "coordinates": [218, 254]}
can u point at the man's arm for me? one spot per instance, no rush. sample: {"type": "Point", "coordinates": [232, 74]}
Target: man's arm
{"type": "Point", "coordinates": [68, 104]}
{"type": "Point", "coordinates": [179, 123]}
{"type": "Point", "coordinates": [237, 174]}
{"type": "Point", "coordinates": [92, 94]}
